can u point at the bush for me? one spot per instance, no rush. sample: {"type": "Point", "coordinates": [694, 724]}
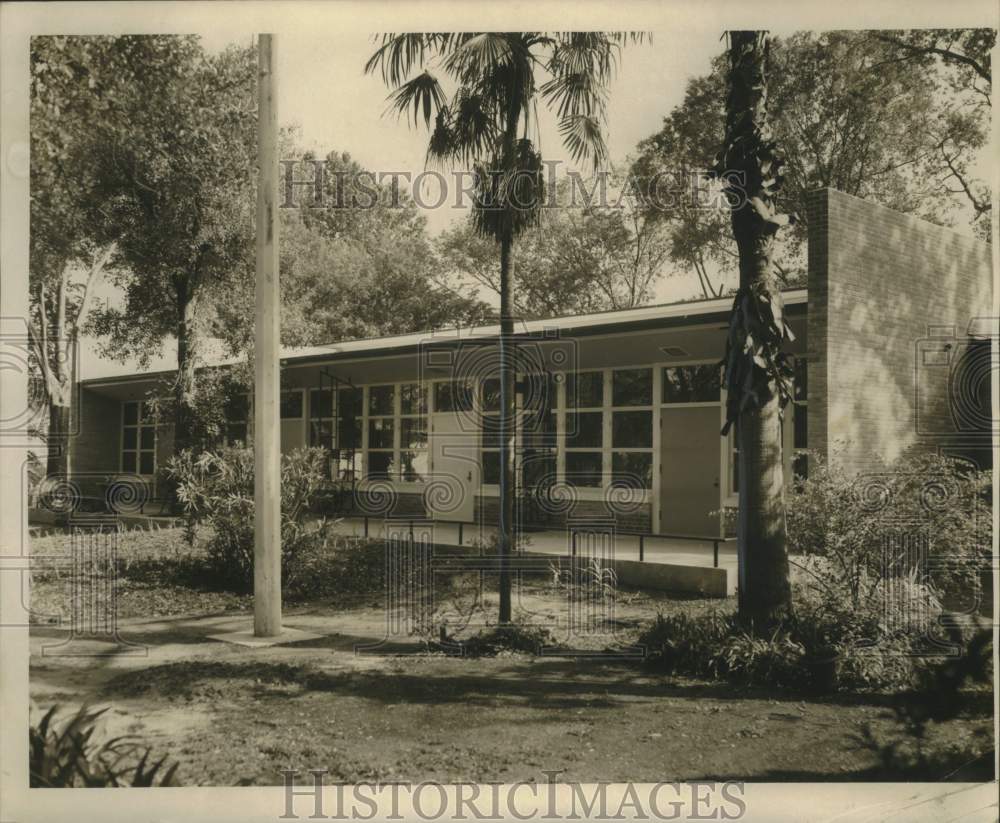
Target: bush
{"type": "Point", "coordinates": [512, 637]}
{"type": "Point", "coordinates": [875, 554]}
{"type": "Point", "coordinates": [866, 607]}
{"type": "Point", "coordinates": [64, 755]}
{"type": "Point", "coordinates": [217, 488]}
{"type": "Point", "coordinates": [339, 565]}
{"type": "Point", "coordinates": [714, 646]}
{"type": "Point", "coordinates": [858, 537]}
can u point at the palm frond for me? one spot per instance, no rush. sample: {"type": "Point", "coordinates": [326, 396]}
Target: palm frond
{"type": "Point", "coordinates": [423, 94]}
{"type": "Point", "coordinates": [576, 92]}
{"type": "Point", "coordinates": [477, 54]}
{"type": "Point", "coordinates": [582, 137]}
{"type": "Point", "coordinates": [399, 53]}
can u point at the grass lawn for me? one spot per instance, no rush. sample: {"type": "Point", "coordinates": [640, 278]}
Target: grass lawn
{"type": "Point", "coordinates": [233, 715]}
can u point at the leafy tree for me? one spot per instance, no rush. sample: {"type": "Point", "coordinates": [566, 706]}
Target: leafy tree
{"type": "Point", "coordinates": [967, 53]}
{"type": "Point", "coordinates": [178, 181]}
{"type": "Point", "coordinates": [355, 262]}
{"type": "Point", "coordinates": [756, 374]}
{"type": "Point", "coordinates": [80, 91]}
{"type": "Point", "coordinates": [853, 112]}
{"type": "Point", "coordinates": [485, 126]}
{"type": "Point", "coordinates": [582, 257]}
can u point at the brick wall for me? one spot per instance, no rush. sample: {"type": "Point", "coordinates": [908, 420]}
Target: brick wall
{"type": "Point", "coordinates": [884, 289]}
{"type": "Point", "coordinates": [95, 447]}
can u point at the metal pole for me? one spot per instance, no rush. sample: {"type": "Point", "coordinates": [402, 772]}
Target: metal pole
{"type": "Point", "coordinates": [641, 547]}
{"type": "Point", "coordinates": [715, 553]}
{"type": "Point", "coordinates": [267, 448]}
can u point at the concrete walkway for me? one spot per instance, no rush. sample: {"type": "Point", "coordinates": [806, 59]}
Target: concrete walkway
{"type": "Point", "coordinates": [656, 550]}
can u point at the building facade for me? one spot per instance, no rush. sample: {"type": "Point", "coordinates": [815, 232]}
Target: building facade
{"type": "Point", "coordinates": [619, 413]}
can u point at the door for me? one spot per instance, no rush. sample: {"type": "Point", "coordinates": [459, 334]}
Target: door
{"type": "Point", "coordinates": [689, 470]}
{"type": "Point", "coordinates": [451, 490]}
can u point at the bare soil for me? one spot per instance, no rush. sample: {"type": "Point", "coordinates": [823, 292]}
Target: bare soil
{"type": "Point", "coordinates": [233, 715]}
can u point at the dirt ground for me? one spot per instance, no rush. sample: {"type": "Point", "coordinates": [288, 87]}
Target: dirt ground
{"type": "Point", "coordinates": [366, 701]}
{"type": "Point", "coordinates": [235, 716]}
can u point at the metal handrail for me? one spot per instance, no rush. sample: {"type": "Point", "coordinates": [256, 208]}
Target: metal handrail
{"type": "Point", "coordinates": [715, 541]}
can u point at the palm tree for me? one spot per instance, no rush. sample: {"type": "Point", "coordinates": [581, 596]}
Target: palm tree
{"type": "Point", "coordinates": [486, 126]}
{"type": "Point", "coordinates": [757, 373]}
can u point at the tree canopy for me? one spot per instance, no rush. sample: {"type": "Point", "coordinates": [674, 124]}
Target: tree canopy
{"type": "Point", "coordinates": [581, 257]}
{"type": "Point", "coordinates": [854, 111]}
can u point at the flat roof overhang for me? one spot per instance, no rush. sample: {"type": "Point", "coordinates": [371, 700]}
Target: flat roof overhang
{"type": "Point", "coordinates": [602, 339]}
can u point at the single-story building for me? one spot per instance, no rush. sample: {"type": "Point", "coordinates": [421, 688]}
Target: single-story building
{"type": "Point", "coordinates": [619, 412]}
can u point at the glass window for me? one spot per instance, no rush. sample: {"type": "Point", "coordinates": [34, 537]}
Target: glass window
{"type": "Point", "coordinates": [584, 389]}
{"type": "Point", "coordinates": [491, 468]}
{"type": "Point", "coordinates": [321, 433]}
{"type": "Point", "coordinates": [412, 399]}
{"type": "Point", "coordinates": [633, 468]}
{"type": "Point", "coordinates": [347, 464]}
{"type": "Point", "coordinates": [632, 387]}
{"type": "Point", "coordinates": [490, 394]}
{"type": "Point", "coordinates": [539, 429]}
{"type": "Point", "coordinates": [800, 419]}
{"type": "Point", "coordinates": [414, 465]}
{"type": "Point", "coordinates": [381, 465]}
{"type": "Point", "coordinates": [138, 450]}
{"type": "Point", "coordinates": [380, 433]}
{"type": "Point", "coordinates": [350, 401]}
{"type": "Point", "coordinates": [539, 391]}
{"type": "Point", "coordinates": [691, 384]}
{"type": "Point", "coordinates": [413, 432]}
{"type": "Point", "coordinates": [584, 469]}
{"type": "Point", "coordinates": [452, 396]}
{"type": "Point", "coordinates": [321, 418]}
{"type": "Point", "coordinates": [381, 400]}
{"type": "Point", "coordinates": [349, 433]}
{"type": "Point", "coordinates": [349, 421]}
{"type": "Point", "coordinates": [633, 429]}
{"type": "Point", "coordinates": [538, 467]}
{"type": "Point", "coordinates": [321, 403]}
{"type": "Point", "coordinates": [584, 430]}
{"type": "Point", "coordinates": [237, 407]}
{"type": "Point", "coordinates": [801, 378]}
{"type": "Point", "coordinates": [491, 431]}
{"type": "Point", "coordinates": [291, 405]}
{"type": "Point", "coordinates": [801, 424]}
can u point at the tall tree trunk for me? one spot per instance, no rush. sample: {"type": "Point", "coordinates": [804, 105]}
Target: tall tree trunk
{"type": "Point", "coordinates": [755, 339]}
{"type": "Point", "coordinates": [184, 387]}
{"type": "Point", "coordinates": [57, 439]}
{"type": "Point", "coordinates": [507, 528]}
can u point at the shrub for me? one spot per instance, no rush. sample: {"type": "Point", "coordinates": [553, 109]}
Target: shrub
{"type": "Point", "coordinates": [513, 637]}
{"type": "Point", "coordinates": [807, 651]}
{"type": "Point", "coordinates": [342, 564]}
{"type": "Point", "coordinates": [683, 644]}
{"type": "Point", "coordinates": [64, 755]}
{"type": "Point", "coordinates": [217, 488]}
{"type": "Point", "coordinates": [875, 554]}
{"type": "Point", "coordinates": [852, 529]}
